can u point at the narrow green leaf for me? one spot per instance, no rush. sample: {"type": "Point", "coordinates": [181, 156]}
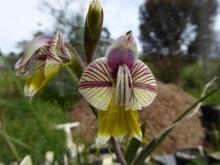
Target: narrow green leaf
{"type": "Point", "coordinates": [11, 146]}
{"type": "Point", "coordinates": [133, 146]}
{"type": "Point", "coordinates": [20, 143]}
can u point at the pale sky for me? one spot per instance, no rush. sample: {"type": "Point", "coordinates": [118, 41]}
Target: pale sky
{"type": "Point", "coordinates": [21, 18]}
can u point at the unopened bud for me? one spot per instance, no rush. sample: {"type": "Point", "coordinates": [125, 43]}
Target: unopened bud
{"type": "Point", "coordinates": [93, 28]}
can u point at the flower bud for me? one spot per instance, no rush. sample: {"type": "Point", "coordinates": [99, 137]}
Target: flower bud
{"type": "Point", "coordinates": [93, 28]}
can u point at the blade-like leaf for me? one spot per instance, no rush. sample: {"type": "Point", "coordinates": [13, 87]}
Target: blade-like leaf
{"type": "Point", "coordinates": [133, 146]}
{"type": "Point", "coordinates": [21, 144]}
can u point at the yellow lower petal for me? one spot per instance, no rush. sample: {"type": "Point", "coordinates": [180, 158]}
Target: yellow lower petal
{"type": "Point", "coordinates": [118, 122]}
{"type": "Point", "coordinates": [38, 81]}
{"type": "Point", "coordinates": [34, 84]}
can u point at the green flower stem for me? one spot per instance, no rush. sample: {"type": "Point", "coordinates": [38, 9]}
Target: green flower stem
{"type": "Point", "coordinates": [150, 147]}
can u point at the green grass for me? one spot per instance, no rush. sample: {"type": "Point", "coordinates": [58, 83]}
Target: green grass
{"type": "Point", "coordinates": [192, 79]}
{"type": "Point", "coordinates": [18, 122]}
{"type": "Point", "coordinates": [213, 100]}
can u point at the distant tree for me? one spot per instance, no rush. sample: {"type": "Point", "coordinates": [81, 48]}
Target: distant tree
{"type": "Point", "coordinates": [174, 32]}
{"type": "Point", "coordinates": [1, 54]}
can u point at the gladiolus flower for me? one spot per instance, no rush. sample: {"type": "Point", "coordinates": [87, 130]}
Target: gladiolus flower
{"type": "Point", "coordinates": [43, 58]}
{"type": "Point", "coordinates": [118, 85]}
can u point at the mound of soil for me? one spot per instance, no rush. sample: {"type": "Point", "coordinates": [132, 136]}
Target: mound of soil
{"type": "Point", "coordinates": [170, 102]}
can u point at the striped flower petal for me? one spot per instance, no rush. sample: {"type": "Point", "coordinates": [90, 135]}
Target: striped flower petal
{"type": "Point", "coordinates": [31, 48]}
{"type": "Point", "coordinates": [144, 86]}
{"type": "Point", "coordinates": [57, 56]}
{"type": "Point", "coordinates": [96, 84]}
{"type": "Point", "coordinates": [58, 51]}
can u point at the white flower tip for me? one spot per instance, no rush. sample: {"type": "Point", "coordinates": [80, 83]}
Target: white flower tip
{"type": "Point", "coordinates": [102, 139]}
{"type": "Point", "coordinates": [26, 161]}
{"type": "Point", "coordinates": [138, 137]}
{"type": "Point", "coordinates": [59, 38]}
{"type": "Point", "coordinates": [29, 92]}
{"type": "Point", "coordinates": [58, 35]}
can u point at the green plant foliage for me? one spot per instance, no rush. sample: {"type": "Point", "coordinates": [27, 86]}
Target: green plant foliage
{"type": "Point", "coordinates": [192, 79]}
{"type": "Point", "coordinates": [134, 146]}
{"type": "Point", "coordinates": [17, 121]}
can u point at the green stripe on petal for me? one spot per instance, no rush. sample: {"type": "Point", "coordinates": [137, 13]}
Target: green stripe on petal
{"type": "Point", "coordinates": [96, 84]}
{"type": "Point", "coordinates": [144, 86]}
{"type": "Point", "coordinates": [117, 122]}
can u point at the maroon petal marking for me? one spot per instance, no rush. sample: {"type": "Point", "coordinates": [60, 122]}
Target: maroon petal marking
{"type": "Point", "coordinates": [96, 84]}
{"type": "Point", "coordinates": [144, 86]}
